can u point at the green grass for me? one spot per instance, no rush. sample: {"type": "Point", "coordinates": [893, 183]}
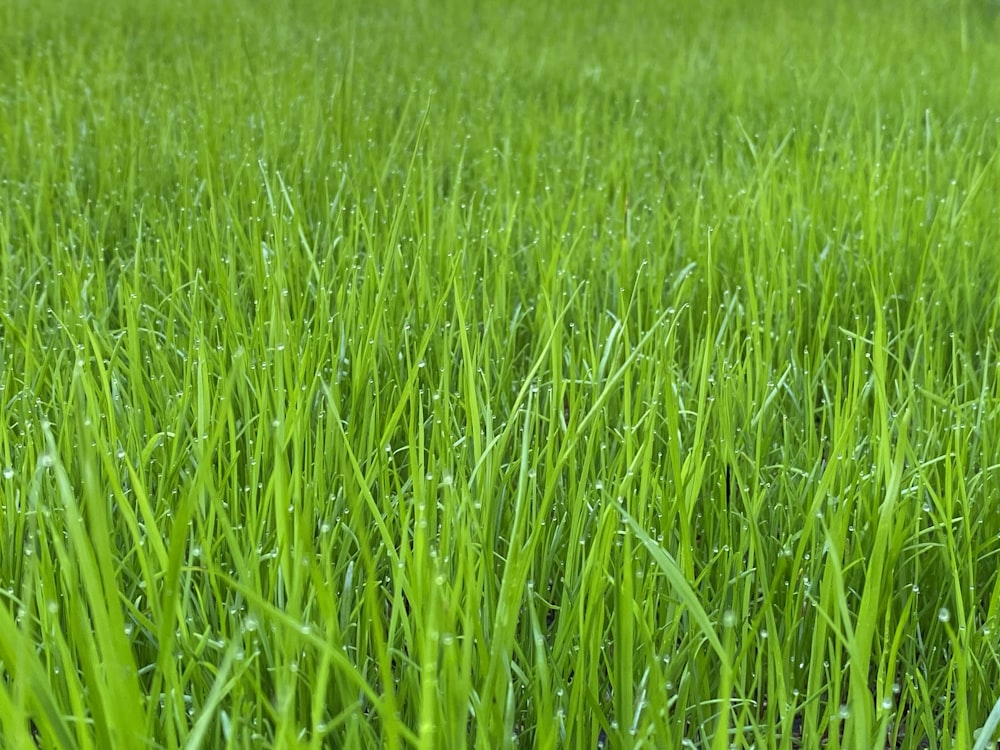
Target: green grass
{"type": "Point", "coordinates": [543, 375]}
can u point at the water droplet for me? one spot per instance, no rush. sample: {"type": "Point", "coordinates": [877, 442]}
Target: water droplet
{"type": "Point", "coordinates": [8, 472]}
{"type": "Point", "coordinates": [944, 615]}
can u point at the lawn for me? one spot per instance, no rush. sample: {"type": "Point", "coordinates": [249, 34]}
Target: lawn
{"type": "Point", "coordinates": [446, 374]}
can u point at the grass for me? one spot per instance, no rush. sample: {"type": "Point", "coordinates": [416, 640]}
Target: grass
{"type": "Point", "coordinates": [429, 375]}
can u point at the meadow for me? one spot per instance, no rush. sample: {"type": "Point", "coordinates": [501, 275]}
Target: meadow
{"type": "Point", "coordinates": [453, 374]}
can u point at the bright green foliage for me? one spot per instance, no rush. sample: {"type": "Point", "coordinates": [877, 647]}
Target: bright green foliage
{"type": "Point", "coordinates": [530, 374]}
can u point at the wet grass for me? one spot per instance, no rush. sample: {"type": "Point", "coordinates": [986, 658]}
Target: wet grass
{"type": "Point", "coordinates": [382, 375]}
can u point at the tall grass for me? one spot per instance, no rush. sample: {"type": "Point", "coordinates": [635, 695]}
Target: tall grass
{"type": "Point", "coordinates": [439, 375]}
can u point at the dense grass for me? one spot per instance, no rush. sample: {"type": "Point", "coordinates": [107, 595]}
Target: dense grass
{"type": "Point", "coordinates": [552, 375]}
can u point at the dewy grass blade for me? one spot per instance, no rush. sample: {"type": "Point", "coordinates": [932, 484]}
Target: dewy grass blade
{"type": "Point", "coordinates": [988, 733]}
{"type": "Point", "coordinates": [33, 684]}
{"type": "Point", "coordinates": [114, 679]}
{"type": "Point", "coordinates": [679, 584]}
{"type": "Point", "coordinates": [209, 709]}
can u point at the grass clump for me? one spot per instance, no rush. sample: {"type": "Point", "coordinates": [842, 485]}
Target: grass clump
{"type": "Point", "coordinates": [411, 376]}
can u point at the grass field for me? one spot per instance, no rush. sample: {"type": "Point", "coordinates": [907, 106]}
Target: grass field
{"type": "Point", "coordinates": [450, 374]}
